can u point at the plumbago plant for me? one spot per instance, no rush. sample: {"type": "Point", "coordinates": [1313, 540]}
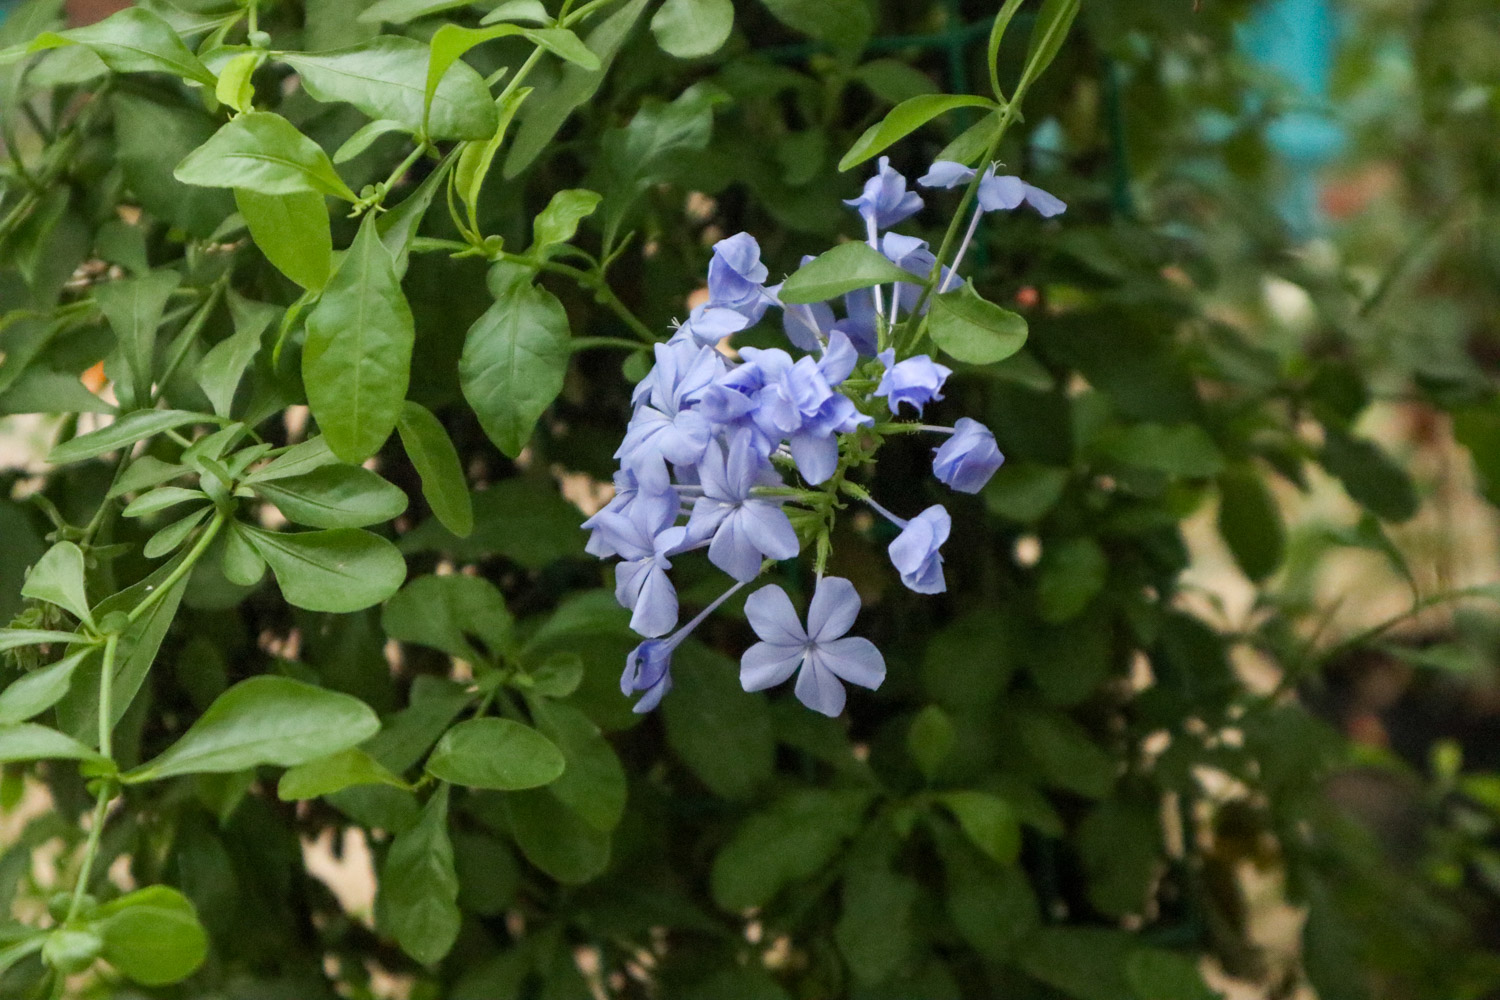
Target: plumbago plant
{"type": "Point", "coordinates": [256, 633]}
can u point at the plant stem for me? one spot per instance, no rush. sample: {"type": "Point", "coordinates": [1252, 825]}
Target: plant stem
{"type": "Point", "coordinates": [586, 343]}
{"type": "Point", "coordinates": [603, 294]}
{"type": "Point", "coordinates": [194, 554]}
{"type": "Point", "coordinates": [106, 791]}
{"type": "Point", "coordinates": [190, 332]}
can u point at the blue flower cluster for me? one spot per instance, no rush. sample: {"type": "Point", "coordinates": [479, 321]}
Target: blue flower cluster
{"type": "Point", "coordinates": [713, 442]}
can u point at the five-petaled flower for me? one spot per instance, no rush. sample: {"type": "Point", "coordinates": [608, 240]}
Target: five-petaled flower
{"type": "Point", "coordinates": [824, 653]}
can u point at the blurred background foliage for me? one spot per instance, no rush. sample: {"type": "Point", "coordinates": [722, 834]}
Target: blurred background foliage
{"type": "Point", "coordinates": [1217, 636]}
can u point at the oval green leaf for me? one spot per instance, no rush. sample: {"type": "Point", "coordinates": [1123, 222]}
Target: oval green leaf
{"type": "Point", "coordinates": [974, 330]}
{"type": "Point", "coordinates": [499, 754]}
{"type": "Point", "coordinates": [357, 360]}
{"type": "Point", "coordinates": [264, 720]}
{"type": "Point", "coordinates": [904, 119]}
{"type": "Point", "coordinates": [339, 570]}
{"type": "Point", "coordinates": [514, 362]}
{"type": "Point", "coordinates": [846, 268]}
{"type": "Point", "coordinates": [436, 460]}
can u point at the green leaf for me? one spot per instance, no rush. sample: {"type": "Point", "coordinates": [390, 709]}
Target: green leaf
{"type": "Point", "coordinates": [524, 519]}
{"type": "Point", "coordinates": [411, 732]}
{"type": "Point", "coordinates": [1250, 522]}
{"type": "Point", "coordinates": [499, 754]}
{"type": "Point", "coordinates": [365, 136]}
{"type": "Point", "coordinates": [1087, 963]}
{"type": "Point", "coordinates": [26, 741]}
{"type": "Point", "coordinates": [565, 45]}
{"type": "Point", "coordinates": [1183, 450]}
{"type": "Point", "coordinates": [405, 11]}
{"type": "Point", "coordinates": [1157, 974]}
{"type": "Point", "coordinates": [134, 310]}
{"type": "Point", "coordinates": [333, 773]}
{"type": "Point", "coordinates": [930, 740]}
{"type": "Point", "coordinates": [263, 152]}
{"type": "Point", "coordinates": [1066, 756]}
{"type": "Point", "coordinates": [357, 360]}
{"type": "Point", "coordinates": [1053, 22]}
{"type": "Point", "coordinates": [875, 931]}
{"type": "Point", "coordinates": [335, 496]}
{"type": "Point", "coordinates": [219, 372]}
{"type": "Point", "coordinates": [151, 137]}
{"type": "Point", "coordinates": [339, 570]}
{"type": "Point", "coordinates": [846, 268]}
{"type": "Point", "coordinates": [235, 87]}
{"type": "Point", "coordinates": [399, 225]}
{"type": "Point", "coordinates": [152, 936]}
{"type": "Point", "coordinates": [125, 431]}
{"type": "Point", "coordinates": [240, 563]}
{"type": "Point", "coordinates": [134, 40]}
{"type": "Point", "coordinates": [1024, 492]}
{"type": "Point", "coordinates": [475, 160]}
{"type": "Point", "coordinates": [57, 578]}
{"type": "Point", "coordinates": [519, 10]}
{"type": "Point", "coordinates": [559, 676]}
{"type": "Point", "coordinates": [720, 731]}
{"type": "Point", "coordinates": [973, 330]}
{"type": "Point", "coordinates": [264, 720]}
{"type": "Point", "coordinates": [444, 611]}
{"type": "Point", "coordinates": [843, 23]}
{"type": "Point", "coordinates": [989, 821]}
{"type": "Point", "coordinates": [298, 460]}
{"type": "Point", "coordinates": [993, 907]}
{"type": "Point", "coordinates": [578, 85]}
{"type": "Point", "coordinates": [1372, 478]}
{"type": "Point", "coordinates": [437, 463]}
{"type": "Point", "coordinates": [555, 838]}
{"type": "Point", "coordinates": [894, 81]}
{"type": "Point", "coordinates": [788, 843]}
{"type": "Point", "coordinates": [417, 904]}
{"type": "Point", "coordinates": [386, 78]}
{"type": "Point", "coordinates": [514, 362]}
{"type": "Point", "coordinates": [1120, 845]}
{"type": "Point", "coordinates": [904, 119]}
{"type": "Point", "coordinates": [692, 29]}
{"type": "Point", "coordinates": [1070, 574]}
{"type": "Point", "coordinates": [35, 692]}
{"type": "Point", "coordinates": [292, 230]}
{"type": "Point", "coordinates": [593, 782]}
{"type": "Point", "coordinates": [168, 539]}
{"type": "Point", "coordinates": [558, 222]}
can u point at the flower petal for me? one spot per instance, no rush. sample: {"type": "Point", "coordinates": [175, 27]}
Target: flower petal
{"type": "Point", "coordinates": [768, 528]}
{"type": "Point", "coordinates": [656, 607]}
{"type": "Point", "coordinates": [766, 665]}
{"type": "Point", "coordinates": [774, 619]}
{"type": "Point", "coordinates": [819, 690]}
{"type": "Point", "coordinates": [834, 607]}
{"type": "Point", "coordinates": [853, 659]}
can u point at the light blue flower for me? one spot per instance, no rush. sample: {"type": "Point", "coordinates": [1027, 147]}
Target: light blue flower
{"type": "Point", "coordinates": [825, 655]}
{"type": "Point", "coordinates": [967, 460]}
{"type": "Point", "coordinates": [996, 193]}
{"type": "Point", "coordinates": [885, 200]}
{"type": "Point", "coordinates": [917, 380]}
{"type": "Point", "coordinates": [915, 552]}
{"type": "Point", "coordinates": [644, 540]}
{"type": "Point", "coordinates": [736, 277]}
{"type": "Point", "coordinates": [648, 668]}
{"type": "Point", "coordinates": [744, 529]}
